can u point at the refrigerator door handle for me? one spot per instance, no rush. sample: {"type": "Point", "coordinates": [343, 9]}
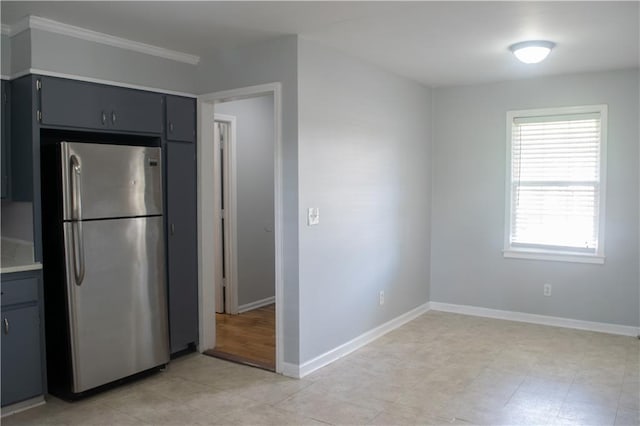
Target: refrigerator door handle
{"type": "Point", "coordinates": [76, 212]}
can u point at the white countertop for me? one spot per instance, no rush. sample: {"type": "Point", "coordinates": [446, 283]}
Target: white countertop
{"type": "Point", "coordinates": [17, 256]}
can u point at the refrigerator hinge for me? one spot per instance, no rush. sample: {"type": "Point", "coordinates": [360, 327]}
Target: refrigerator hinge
{"type": "Point", "coordinates": [39, 114]}
{"type": "Point", "coordinates": [38, 84]}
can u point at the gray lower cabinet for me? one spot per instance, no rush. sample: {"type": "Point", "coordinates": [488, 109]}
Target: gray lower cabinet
{"type": "Point", "coordinates": [182, 244]}
{"type": "Point", "coordinates": [22, 337]}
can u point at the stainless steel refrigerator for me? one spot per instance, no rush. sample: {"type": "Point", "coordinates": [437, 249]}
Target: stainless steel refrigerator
{"type": "Point", "coordinates": [104, 264]}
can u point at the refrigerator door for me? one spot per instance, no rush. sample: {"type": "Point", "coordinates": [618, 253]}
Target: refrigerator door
{"type": "Point", "coordinates": [118, 313]}
{"type": "Point", "coordinates": [110, 180]}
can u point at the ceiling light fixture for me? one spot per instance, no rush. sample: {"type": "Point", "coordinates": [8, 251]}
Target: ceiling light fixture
{"type": "Point", "coordinates": [532, 52]}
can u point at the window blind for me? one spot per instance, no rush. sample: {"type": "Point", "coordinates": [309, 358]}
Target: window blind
{"type": "Point", "coordinates": [555, 186]}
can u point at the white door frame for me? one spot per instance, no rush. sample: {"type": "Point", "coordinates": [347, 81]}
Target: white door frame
{"type": "Point", "coordinates": [231, 220]}
{"type": "Point", "coordinates": [207, 205]}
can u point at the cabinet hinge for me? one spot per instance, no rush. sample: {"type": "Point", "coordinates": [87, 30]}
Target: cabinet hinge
{"type": "Point", "coordinates": [224, 282]}
{"type": "Point", "coordinates": [38, 84]}
{"type": "Point", "coordinates": [39, 114]}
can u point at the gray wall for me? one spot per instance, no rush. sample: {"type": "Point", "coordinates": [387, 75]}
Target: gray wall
{"type": "Point", "coordinates": [70, 55]}
{"type": "Point", "coordinates": [254, 216]}
{"type": "Point", "coordinates": [5, 55]}
{"type": "Point", "coordinates": [17, 220]}
{"type": "Point", "coordinates": [469, 202]}
{"type": "Point", "coordinates": [20, 52]}
{"type": "Point", "coordinates": [364, 161]}
{"type": "Point", "coordinates": [45, 51]}
{"type": "Point", "coordinates": [269, 62]}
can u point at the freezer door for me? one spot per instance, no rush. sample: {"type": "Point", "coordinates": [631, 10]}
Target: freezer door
{"type": "Point", "coordinates": [110, 180]}
{"type": "Point", "coordinates": [118, 313]}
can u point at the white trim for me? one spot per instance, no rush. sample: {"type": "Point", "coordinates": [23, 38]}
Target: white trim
{"type": "Point", "coordinates": [553, 256]}
{"type": "Point", "coordinates": [206, 251]}
{"type": "Point", "coordinates": [5, 77]}
{"type": "Point", "coordinates": [290, 370]}
{"type": "Point", "coordinates": [257, 304]}
{"type": "Point", "coordinates": [21, 406]}
{"type": "Point", "coordinates": [99, 81]}
{"type": "Point", "coordinates": [5, 29]}
{"type": "Point", "coordinates": [206, 242]}
{"type": "Point", "coordinates": [544, 254]}
{"type": "Point", "coordinates": [231, 219]}
{"type": "Point", "coordinates": [49, 25]}
{"type": "Point", "coordinates": [358, 342]}
{"type": "Point", "coordinates": [601, 327]}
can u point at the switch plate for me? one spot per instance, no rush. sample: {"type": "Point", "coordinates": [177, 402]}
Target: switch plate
{"type": "Point", "coordinates": [313, 216]}
{"type": "Point", "coordinates": [547, 290]}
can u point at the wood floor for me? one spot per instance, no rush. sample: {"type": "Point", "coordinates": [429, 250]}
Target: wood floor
{"type": "Point", "coordinates": [248, 338]}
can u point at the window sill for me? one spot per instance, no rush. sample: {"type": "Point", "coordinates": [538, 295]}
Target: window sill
{"type": "Point", "coordinates": [553, 256]}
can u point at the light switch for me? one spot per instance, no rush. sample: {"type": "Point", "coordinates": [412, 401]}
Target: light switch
{"type": "Point", "coordinates": [313, 216]}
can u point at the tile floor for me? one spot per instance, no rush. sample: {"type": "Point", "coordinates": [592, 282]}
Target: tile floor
{"type": "Point", "coordinates": [438, 369]}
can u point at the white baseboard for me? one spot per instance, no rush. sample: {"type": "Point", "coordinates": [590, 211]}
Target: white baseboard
{"type": "Point", "coordinates": [352, 345]}
{"type": "Point", "coordinates": [257, 304]}
{"type": "Point", "coordinates": [624, 330]}
{"type": "Point", "coordinates": [290, 370]}
{"type": "Point", "coordinates": [299, 371]}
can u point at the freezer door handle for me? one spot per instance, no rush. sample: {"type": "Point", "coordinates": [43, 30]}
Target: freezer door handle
{"type": "Point", "coordinates": [76, 227]}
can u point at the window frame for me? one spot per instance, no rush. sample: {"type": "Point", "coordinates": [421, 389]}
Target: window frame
{"type": "Point", "coordinates": [551, 253]}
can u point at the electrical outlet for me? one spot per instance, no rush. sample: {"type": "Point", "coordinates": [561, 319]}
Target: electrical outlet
{"type": "Point", "coordinates": [381, 299]}
{"type": "Point", "coordinates": [547, 290]}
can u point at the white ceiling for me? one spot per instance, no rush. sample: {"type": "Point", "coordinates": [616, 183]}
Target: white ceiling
{"type": "Point", "coordinates": [435, 43]}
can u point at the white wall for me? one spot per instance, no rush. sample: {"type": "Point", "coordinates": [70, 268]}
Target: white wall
{"type": "Point", "coordinates": [469, 202]}
{"type": "Point", "coordinates": [255, 215]}
{"type": "Point", "coordinates": [364, 161]}
{"type": "Point", "coordinates": [269, 62]}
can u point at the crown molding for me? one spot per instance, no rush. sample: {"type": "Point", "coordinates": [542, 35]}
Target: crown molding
{"type": "Point", "coordinates": [43, 24]}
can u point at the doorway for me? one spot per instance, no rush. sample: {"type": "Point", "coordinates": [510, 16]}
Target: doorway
{"type": "Point", "coordinates": [244, 224]}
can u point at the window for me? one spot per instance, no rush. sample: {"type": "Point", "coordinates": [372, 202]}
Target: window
{"type": "Point", "coordinates": [556, 184]}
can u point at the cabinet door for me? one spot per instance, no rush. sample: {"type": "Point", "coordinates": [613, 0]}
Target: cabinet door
{"type": "Point", "coordinates": [181, 119]}
{"type": "Point", "coordinates": [134, 110]}
{"type": "Point", "coordinates": [182, 245]}
{"type": "Point", "coordinates": [74, 103]}
{"type": "Point", "coordinates": [21, 369]}
{"type": "Point", "coordinates": [6, 138]}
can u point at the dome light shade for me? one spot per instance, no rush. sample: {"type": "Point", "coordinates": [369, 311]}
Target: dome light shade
{"type": "Point", "coordinates": [532, 52]}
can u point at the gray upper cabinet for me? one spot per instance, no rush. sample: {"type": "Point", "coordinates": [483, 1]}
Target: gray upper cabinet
{"type": "Point", "coordinates": [6, 138]}
{"type": "Point", "coordinates": [182, 244]}
{"type": "Point", "coordinates": [71, 103]}
{"type": "Point", "coordinates": [181, 119]}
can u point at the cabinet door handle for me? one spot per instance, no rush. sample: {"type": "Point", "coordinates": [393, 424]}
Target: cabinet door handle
{"type": "Point", "coordinates": [6, 326]}
{"type": "Point", "coordinates": [113, 117]}
{"type": "Point", "coordinates": [104, 118]}
{"type": "Point", "coordinates": [173, 229]}
{"type": "Point", "coordinates": [170, 127]}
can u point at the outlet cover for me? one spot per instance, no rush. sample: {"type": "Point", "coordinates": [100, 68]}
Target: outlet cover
{"type": "Point", "coordinates": [313, 216]}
